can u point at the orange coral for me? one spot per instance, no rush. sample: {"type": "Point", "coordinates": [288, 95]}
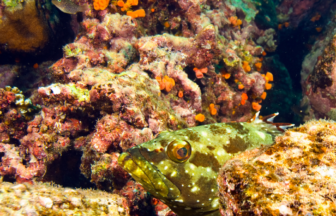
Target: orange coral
{"type": "Point", "coordinates": [318, 29]}
{"type": "Point", "coordinates": [264, 53]}
{"type": "Point", "coordinates": [315, 18]}
{"type": "Point", "coordinates": [120, 3]}
{"type": "Point", "coordinates": [258, 66]}
{"type": "Point", "coordinates": [269, 77]}
{"type": "Point", "coordinates": [213, 110]}
{"type": "Point", "coordinates": [166, 24]}
{"type": "Point", "coordinates": [235, 21]}
{"type": "Point", "coordinates": [240, 86]}
{"type": "Point", "coordinates": [180, 94]}
{"type": "Point", "coordinates": [166, 83]}
{"type": "Point", "coordinates": [244, 98]}
{"type": "Point", "coordinates": [226, 75]}
{"type": "Point", "coordinates": [137, 13]}
{"type": "Point", "coordinates": [280, 26]}
{"type": "Point", "coordinates": [100, 4]}
{"type": "Point", "coordinates": [263, 95]}
{"type": "Point", "coordinates": [200, 117]}
{"type": "Point", "coordinates": [246, 66]}
{"type": "Point", "coordinates": [286, 24]}
{"type": "Point", "coordinates": [199, 72]}
{"type": "Point", "coordinates": [35, 66]}
{"type": "Point", "coordinates": [126, 6]}
{"type": "Point", "coordinates": [256, 106]}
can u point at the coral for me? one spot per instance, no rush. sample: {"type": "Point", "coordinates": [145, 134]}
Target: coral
{"type": "Point", "coordinates": [318, 81]}
{"type": "Point", "coordinates": [21, 34]}
{"type": "Point", "coordinates": [293, 176]}
{"type": "Point", "coordinates": [100, 4]}
{"type": "Point", "coordinates": [46, 199]}
{"type": "Point", "coordinates": [15, 111]}
{"type": "Point", "coordinates": [8, 74]}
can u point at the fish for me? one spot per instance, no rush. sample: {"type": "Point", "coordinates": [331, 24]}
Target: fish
{"type": "Point", "coordinates": [69, 7]}
{"type": "Point", "coordinates": [180, 168]}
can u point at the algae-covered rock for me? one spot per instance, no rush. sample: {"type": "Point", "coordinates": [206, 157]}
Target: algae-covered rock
{"type": "Point", "coordinates": [45, 199]}
{"type": "Point", "coordinates": [295, 176]}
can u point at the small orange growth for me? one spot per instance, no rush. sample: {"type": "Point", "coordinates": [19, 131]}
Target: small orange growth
{"type": "Point", "coordinates": [137, 13]}
{"type": "Point", "coordinates": [227, 75]}
{"type": "Point", "coordinates": [166, 83]}
{"type": "Point", "coordinates": [200, 117]}
{"type": "Point", "coordinates": [240, 86]}
{"type": "Point", "coordinates": [35, 66]}
{"type": "Point", "coordinates": [264, 53]}
{"type": "Point", "coordinates": [153, 10]}
{"type": "Point", "coordinates": [286, 24]}
{"type": "Point", "coordinates": [120, 3]}
{"type": "Point", "coordinates": [246, 66]}
{"type": "Point", "coordinates": [199, 72]}
{"type": "Point", "coordinates": [315, 18]}
{"type": "Point", "coordinates": [17, 60]}
{"type": "Point", "coordinates": [268, 86]}
{"type": "Point", "coordinates": [100, 4]}
{"type": "Point", "coordinates": [318, 29]}
{"type": "Point", "coordinates": [166, 24]}
{"type": "Point", "coordinates": [258, 66]}
{"type": "Point", "coordinates": [180, 94]}
{"type": "Point", "coordinates": [213, 110]}
{"type": "Point", "coordinates": [233, 20]}
{"type": "Point", "coordinates": [155, 201]}
{"type": "Point", "coordinates": [269, 77]}
{"type": "Point", "coordinates": [256, 106]}
{"type": "Point", "coordinates": [244, 98]}
{"type": "Point", "coordinates": [280, 26]}
{"type": "Point", "coordinates": [263, 95]}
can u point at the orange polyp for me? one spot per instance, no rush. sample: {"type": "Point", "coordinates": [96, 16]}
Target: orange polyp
{"type": "Point", "coordinates": [264, 53]}
{"type": "Point", "coordinates": [213, 110]}
{"type": "Point", "coordinates": [246, 66]}
{"type": "Point", "coordinates": [180, 94]}
{"type": "Point", "coordinates": [269, 76]}
{"type": "Point", "coordinates": [268, 86]}
{"type": "Point", "coordinates": [239, 22]}
{"type": "Point", "coordinates": [256, 106]}
{"type": "Point", "coordinates": [233, 20]}
{"type": "Point", "coordinates": [200, 117]}
{"type": "Point", "coordinates": [258, 66]}
{"type": "Point", "coordinates": [137, 13]}
{"type": "Point", "coordinates": [152, 9]}
{"type": "Point", "coordinates": [240, 86]}
{"type": "Point", "coordinates": [286, 24]}
{"type": "Point", "coordinates": [227, 75]}
{"type": "Point", "coordinates": [199, 72]}
{"type": "Point", "coordinates": [120, 3]}
{"type": "Point", "coordinates": [35, 66]}
{"type": "Point", "coordinates": [166, 24]}
{"type": "Point", "coordinates": [263, 95]}
{"type": "Point", "coordinates": [280, 26]}
{"type": "Point", "coordinates": [244, 98]}
{"type": "Point", "coordinates": [318, 29]}
{"type": "Point", "coordinates": [100, 4]}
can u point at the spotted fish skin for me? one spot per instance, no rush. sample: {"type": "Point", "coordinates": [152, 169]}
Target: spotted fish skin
{"type": "Point", "coordinates": [189, 187]}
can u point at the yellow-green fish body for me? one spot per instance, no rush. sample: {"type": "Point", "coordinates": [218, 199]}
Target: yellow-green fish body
{"type": "Point", "coordinates": [181, 167]}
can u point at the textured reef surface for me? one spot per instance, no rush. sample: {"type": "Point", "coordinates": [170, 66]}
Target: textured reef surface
{"type": "Point", "coordinates": [83, 81]}
{"type": "Point", "coordinates": [294, 176]}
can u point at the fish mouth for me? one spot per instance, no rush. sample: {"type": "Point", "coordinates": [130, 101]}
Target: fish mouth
{"type": "Point", "coordinates": [147, 174]}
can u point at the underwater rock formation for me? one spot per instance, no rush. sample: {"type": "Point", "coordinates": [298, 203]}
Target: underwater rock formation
{"type": "Point", "coordinates": [296, 175]}
{"type": "Point", "coordinates": [46, 199]}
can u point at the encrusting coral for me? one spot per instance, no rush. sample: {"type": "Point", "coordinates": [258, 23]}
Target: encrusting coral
{"type": "Point", "coordinates": [294, 176]}
{"type": "Point", "coordinates": [46, 199]}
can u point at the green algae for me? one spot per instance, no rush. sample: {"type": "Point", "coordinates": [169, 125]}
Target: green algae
{"type": "Point", "coordinates": [247, 6]}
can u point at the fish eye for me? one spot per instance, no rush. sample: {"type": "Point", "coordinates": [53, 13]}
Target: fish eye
{"type": "Point", "coordinates": [179, 151]}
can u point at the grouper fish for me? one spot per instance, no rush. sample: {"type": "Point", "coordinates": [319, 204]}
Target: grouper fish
{"type": "Point", "coordinates": [180, 168]}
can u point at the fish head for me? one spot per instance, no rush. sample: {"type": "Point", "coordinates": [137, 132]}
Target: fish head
{"type": "Point", "coordinates": [174, 169]}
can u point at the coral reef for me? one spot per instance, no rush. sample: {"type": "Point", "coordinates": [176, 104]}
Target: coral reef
{"type": "Point", "coordinates": [46, 199]}
{"type": "Point", "coordinates": [19, 33]}
{"type": "Point", "coordinates": [293, 176]}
